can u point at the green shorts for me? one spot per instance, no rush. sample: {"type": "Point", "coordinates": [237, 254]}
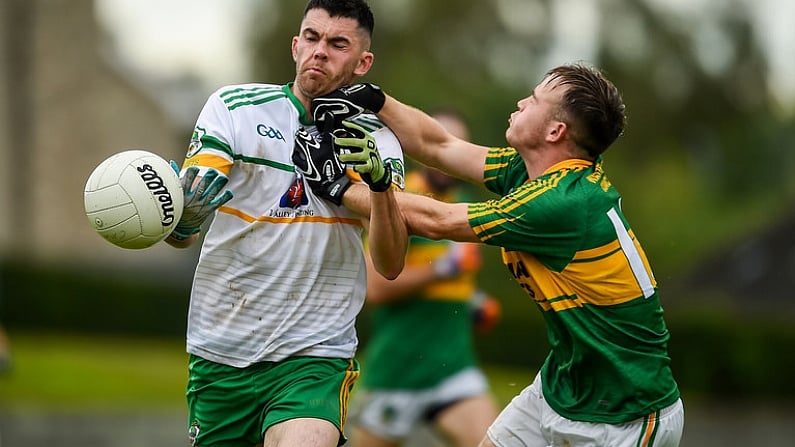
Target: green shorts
{"type": "Point", "coordinates": [231, 406]}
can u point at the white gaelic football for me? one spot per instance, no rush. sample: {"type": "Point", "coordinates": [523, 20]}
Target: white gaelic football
{"type": "Point", "coordinates": [133, 199]}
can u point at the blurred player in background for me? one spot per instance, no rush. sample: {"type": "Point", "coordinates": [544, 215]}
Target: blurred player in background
{"type": "Point", "coordinates": [282, 276]}
{"type": "Point", "coordinates": [420, 363]}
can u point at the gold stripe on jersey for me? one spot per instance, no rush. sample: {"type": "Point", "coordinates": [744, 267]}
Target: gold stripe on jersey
{"type": "Point", "coordinates": [288, 220]}
{"type": "Point", "coordinates": [450, 290]}
{"type": "Point", "coordinates": [518, 198]}
{"type": "Point", "coordinates": [459, 288]}
{"type": "Point", "coordinates": [490, 166]}
{"type": "Point", "coordinates": [209, 160]}
{"type": "Point", "coordinates": [600, 276]}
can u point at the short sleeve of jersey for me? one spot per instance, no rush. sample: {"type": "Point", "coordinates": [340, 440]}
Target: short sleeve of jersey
{"type": "Point", "coordinates": [503, 170]}
{"type": "Point", "coordinates": [533, 217]}
{"type": "Point", "coordinates": [212, 139]}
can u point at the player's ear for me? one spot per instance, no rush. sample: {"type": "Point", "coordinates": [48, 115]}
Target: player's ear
{"type": "Point", "coordinates": [365, 62]}
{"type": "Point", "coordinates": [556, 131]}
{"type": "Point", "coordinates": [293, 48]}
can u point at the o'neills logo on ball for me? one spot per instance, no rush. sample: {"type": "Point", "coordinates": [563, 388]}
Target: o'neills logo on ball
{"type": "Point", "coordinates": [155, 184]}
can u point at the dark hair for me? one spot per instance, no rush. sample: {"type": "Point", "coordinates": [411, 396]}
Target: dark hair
{"type": "Point", "coordinates": [592, 104]}
{"type": "Point", "coordinates": [352, 9]}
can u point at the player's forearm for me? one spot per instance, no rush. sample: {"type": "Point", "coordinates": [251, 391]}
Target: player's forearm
{"type": "Point", "coordinates": [420, 135]}
{"type": "Point", "coordinates": [425, 140]}
{"type": "Point", "coordinates": [434, 219]}
{"type": "Point", "coordinates": [388, 235]}
{"type": "Point", "coordinates": [357, 199]}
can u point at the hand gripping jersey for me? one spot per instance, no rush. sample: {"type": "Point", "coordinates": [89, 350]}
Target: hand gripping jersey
{"type": "Point", "coordinates": [281, 272]}
{"type": "Point", "coordinates": [568, 245]}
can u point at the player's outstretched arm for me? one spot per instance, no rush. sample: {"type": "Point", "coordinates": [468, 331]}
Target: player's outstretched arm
{"type": "Point", "coordinates": [427, 141]}
{"type": "Point", "coordinates": [422, 215]}
{"type": "Point", "coordinates": [421, 137]}
{"type": "Point", "coordinates": [434, 219]}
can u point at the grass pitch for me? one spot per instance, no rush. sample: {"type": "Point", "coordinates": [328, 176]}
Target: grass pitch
{"type": "Point", "coordinates": [97, 372]}
{"type": "Point", "coordinates": [80, 372]}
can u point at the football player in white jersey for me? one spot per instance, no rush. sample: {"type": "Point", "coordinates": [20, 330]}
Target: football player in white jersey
{"type": "Point", "coordinates": [281, 276]}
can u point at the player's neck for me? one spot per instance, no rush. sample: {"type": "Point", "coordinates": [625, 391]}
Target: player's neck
{"type": "Point", "coordinates": [539, 160]}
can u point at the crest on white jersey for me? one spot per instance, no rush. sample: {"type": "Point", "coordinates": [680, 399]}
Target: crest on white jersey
{"type": "Point", "coordinates": [195, 142]}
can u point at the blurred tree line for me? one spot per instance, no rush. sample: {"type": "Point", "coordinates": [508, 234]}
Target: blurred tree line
{"type": "Point", "coordinates": [703, 158]}
{"type": "Point", "coordinates": [703, 161]}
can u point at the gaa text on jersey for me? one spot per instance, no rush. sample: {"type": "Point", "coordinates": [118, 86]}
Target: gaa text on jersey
{"type": "Point", "coordinates": [269, 132]}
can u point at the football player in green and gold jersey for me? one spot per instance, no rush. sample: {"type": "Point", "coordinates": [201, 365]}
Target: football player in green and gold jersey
{"type": "Point", "coordinates": [420, 362]}
{"type": "Point", "coordinates": [607, 379]}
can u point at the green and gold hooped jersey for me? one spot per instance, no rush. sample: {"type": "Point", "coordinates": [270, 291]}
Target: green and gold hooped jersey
{"type": "Point", "coordinates": [568, 245]}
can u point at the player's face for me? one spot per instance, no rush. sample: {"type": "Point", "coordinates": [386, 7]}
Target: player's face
{"type": "Point", "coordinates": [438, 181]}
{"type": "Point", "coordinates": [329, 52]}
{"type": "Point", "coordinates": [531, 123]}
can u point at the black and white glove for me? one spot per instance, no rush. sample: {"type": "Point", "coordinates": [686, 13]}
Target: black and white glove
{"type": "Point", "coordinates": [317, 161]}
{"type": "Point", "coordinates": [358, 148]}
{"type": "Point", "coordinates": [200, 201]}
{"type": "Point", "coordinates": [347, 102]}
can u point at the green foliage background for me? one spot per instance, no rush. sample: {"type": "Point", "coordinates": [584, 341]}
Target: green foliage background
{"type": "Point", "coordinates": [705, 163]}
{"type": "Point", "coordinates": [706, 154]}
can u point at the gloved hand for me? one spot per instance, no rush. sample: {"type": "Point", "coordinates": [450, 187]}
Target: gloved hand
{"type": "Point", "coordinates": [318, 163]}
{"type": "Point", "coordinates": [347, 102]}
{"type": "Point", "coordinates": [486, 311]}
{"type": "Point", "coordinates": [460, 258]}
{"type": "Point", "coordinates": [358, 148]}
{"type": "Point", "coordinates": [201, 201]}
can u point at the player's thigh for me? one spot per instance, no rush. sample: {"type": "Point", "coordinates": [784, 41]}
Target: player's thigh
{"type": "Point", "coordinates": [519, 423]}
{"type": "Point", "coordinates": [314, 391]}
{"type": "Point", "coordinates": [465, 422]}
{"type": "Point", "coordinates": [463, 408]}
{"type": "Point", "coordinates": [223, 407]}
{"type": "Point", "coordinates": [388, 415]}
{"type": "Point", "coordinates": [305, 432]}
{"type": "Point", "coordinates": [362, 437]}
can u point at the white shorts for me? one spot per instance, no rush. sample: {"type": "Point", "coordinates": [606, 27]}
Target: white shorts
{"type": "Point", "coordinates": [396, 414]}
{"type": "Point", "coordinates": [529, 422]}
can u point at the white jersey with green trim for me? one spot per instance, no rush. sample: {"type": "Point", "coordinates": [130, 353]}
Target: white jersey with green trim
{"type": "Point", "coordinates": [281, 272]}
